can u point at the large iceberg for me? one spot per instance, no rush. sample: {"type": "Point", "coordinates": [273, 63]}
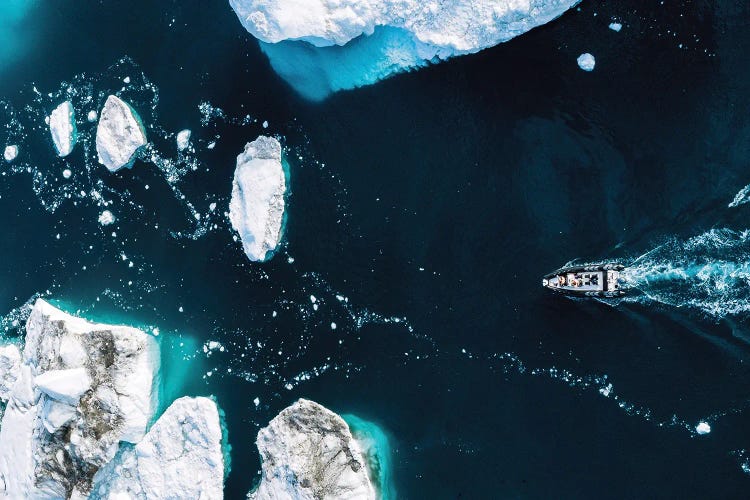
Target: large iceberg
{"type": "Point", "coordinates": [256, 209]}
{"type": "Point", "coordinates": [308, 452]}
{"type": "Point", "coordinates": [180, 457]}
{"type": "Point", "coordinates": [81, 389]}
{"type": "Point", "coordinates": [119, 134]}
{"type": "Point", "coordinates": [62, 126]}
{"type": "Point", "coordinates": [80, 399]}
{"type": "Point", "coordinates": [321, 46]}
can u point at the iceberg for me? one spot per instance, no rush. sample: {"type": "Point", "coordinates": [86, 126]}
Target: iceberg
{"type": "Point", "coordinates": [183, 139]}
{"type": "Point", "coordinates": [10, 153]}
{"type": "Point", "coordinates": [119, 134]}
{"type": "Point", "coordinates": [309, 452]}
{"type": "Point", "coordinates": [702, 428]}
{"type": "Point", "coordinates": [586, 62]}
{"type": "Point", "coordinates": [322, 46]}
{"type": "Point", "coordinates": [256, 209]}
{"type": "Point", "coordinates": [62, 126]}
{"type": "Point", "coordinates": [180, 457]}
{"type": "Point", "coordinates": [81, 389]}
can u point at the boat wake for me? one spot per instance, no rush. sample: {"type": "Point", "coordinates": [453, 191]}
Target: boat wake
{"type": "Point", "coordinates": [709, 272]}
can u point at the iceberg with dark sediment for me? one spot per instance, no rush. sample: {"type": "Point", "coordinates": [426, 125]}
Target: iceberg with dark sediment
{"type": "Point", "coordinates": [309, 452]}
{"type": "Point", "coordinates": [256, 209]}
{"type": "Point", "coordinates": [321, 46]}
{"type": "Point", "coordinates": [62, 126]}
{"type": "Point", "coordinates": [78, 403]}
{"type": "Point", "coordinates": [119, 134]}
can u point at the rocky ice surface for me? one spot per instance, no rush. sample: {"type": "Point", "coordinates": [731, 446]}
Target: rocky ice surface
{"type": "Point", "coordinates": [398, 34]}
{"type": "Point", "coordinates": [10, 152]}
{"type": "Point", "coordinates": [308, 452]}
{"type": "Point", "coordinates": [78, 402]}
{"type": "Point", "coordinates": [119, 134]}
{"type": "Point", "coordinates": [62, 126]}
{"type": "Point", "coordinates": [180, 457]}
{"type": "Point", "coordinates": [256, 209]}
{"type": "Point", "coordinates": [586, 62]}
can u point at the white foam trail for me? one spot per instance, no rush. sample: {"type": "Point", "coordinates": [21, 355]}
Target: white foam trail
{"type": "Point", "coordinates": [741, 197]}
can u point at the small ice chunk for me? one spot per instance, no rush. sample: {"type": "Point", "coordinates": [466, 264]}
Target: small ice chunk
{"type": "Point", "coordinates": [62, 126]}
{"type": "Point", "coordinates": [126, 79]}
{"type": "Point", "coordinates": [256, 402]}
{"type": "Point", "coordinates": [586, 62]}
{"type": "Point", "coordinates": [10, 153]}
{"type": "Point", "coordinates": [265, 124]}
{"type": "Point", "coordinates": [615, 26]}
{"type": "Point", "coordinates": [333, 325]}
{"type": "Point", "coordinates": [106, 218]}
{"type": "Point", "coordinates": [211, 145]}
{"type": "Point", "coordinates": [702, 428]}
{"type": "Point", "coordinates": [119, 135]}
{"type": "Point", "coordinates": [67, 173]}
{"type": "Point", "coordinates": [313, 299]}
{"type": "Point", "coordinates": [183, 139]}
{"type": "Point", "coordinates": [91, 117]}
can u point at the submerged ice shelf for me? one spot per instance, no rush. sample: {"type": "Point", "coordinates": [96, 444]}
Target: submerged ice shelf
{"type": "Point", "coordinates": [323, 46]}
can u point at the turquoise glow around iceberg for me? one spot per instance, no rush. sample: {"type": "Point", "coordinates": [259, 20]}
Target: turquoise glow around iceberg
{"type": "Point", "coordinates": [317, 72]}
{"type": "Point", "coordinates": [374, 443]}
{"type": "Point", "coordinates": [12, 28]}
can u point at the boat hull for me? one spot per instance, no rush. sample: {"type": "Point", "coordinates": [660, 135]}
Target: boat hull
{"type": "Point", "coordinates": [592, 280]}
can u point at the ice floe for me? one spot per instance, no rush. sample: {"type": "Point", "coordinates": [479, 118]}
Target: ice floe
{"type": "Point", "coordinates": [183, 139]}
{"type": "Point", "coordinates": [702, 428]}
{"type": "Point", "coordinates": [256, 209]}
{"type": "Point", "coordinates": [106, 218]}
{"type": "Point", "coordinates": [62, 126]}
{"type": "Point", "coordinates": [10, 153]}
{"type": "Point", "coordinates": [615, 26]}
{"type": "Point", "coordinates": [309, 452]}
{"type": "Point", "coordinates": [119, 134]}
{"type": "Point", "coordinates": [322, 46]}
{"type": "Point", "coordinates": [586, 62]}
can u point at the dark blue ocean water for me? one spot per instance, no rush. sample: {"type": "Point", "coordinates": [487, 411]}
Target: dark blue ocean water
{"type": "Point", "coordinates": [423, 212]}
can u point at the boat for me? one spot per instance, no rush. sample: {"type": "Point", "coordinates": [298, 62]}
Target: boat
{"type": "Point", "coordinates": [590, 280]}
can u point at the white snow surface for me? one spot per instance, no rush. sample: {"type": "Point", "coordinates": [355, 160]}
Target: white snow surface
{"type": "Point", "coordinates": [183, 139]}
{"type": "Point", "coordinates": [62, 126]}
{"type": "Point", "coordinates": [256, 209]}
{"type": "Point", "coordinates": [586, 62]}
{"type": "Point", "coordinates": [180, 457]}
{"type": "Point", "coordinates": [10, 152]}
{"type": "Point", "coordinates": [309, 453]}
{"type": "Point", "coordinates": [119, 134]}
{"type": "Point", "coordinates": [96, 381]}
{"type": "Point", "coordinates": [10, 362]}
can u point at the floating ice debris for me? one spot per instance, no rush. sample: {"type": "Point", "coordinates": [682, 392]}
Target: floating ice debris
{"type": "Point", "coordinates": [183, 139]}
{"type": "Point", "coordinates": [320, 47]}
{"type": "Point", "coordinates": [256, 402]}
{"type": "Point", "coordinates": [265, 124]}
{"type": "Point", "coordinates": [62, 126]}
{"type": "Point", "coordinates": [211, 145]}
{"type": "Point", "coordinates": [333, 325]}
{"type": "Point", "coordinates": [615, 26]}
{"type": "Point", "coordinates": [126, 79]}
{"type": "Point", "coordinates": [67, 173]}
{"type": "Point", "coordinates": [10, 153]}
{"type": "Point", "coordinates": [106, 218]}
{"type": "Point", "coordinates": [91, 116]}
{"type": "Point", "coordinates": [308, 449]}
{"type": "Point", "coordinates": [119, 134]}
{"type": "Point", "coordinates": [256, 208]}
{"type": "Point", "coordinates": [586, 62]}
{"type": "Point", "coordinates": [47, 423]}
{"type": "Point", "coordinates": [702, 428]}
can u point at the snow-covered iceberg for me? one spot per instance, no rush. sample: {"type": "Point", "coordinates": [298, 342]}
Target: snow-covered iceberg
{"type": "Point", "coordinates": [256, 209]}
{"type": "Point", "coordinates": [180, 457]}
{"type": "Point", "coordinates": [10, 153]}
{"type": "Point", "coordinates": [62, 126]}
{"type": "Point", "coordinates": [81, 389]}
{"type": "Point", "coordinates": [10, 362]}
{"type": "Point", "coordinates": [321, 46]}
{"type": "Point", "coordinates": [119, 134]}
{"type": "Point", "coordinates": [309, 452]}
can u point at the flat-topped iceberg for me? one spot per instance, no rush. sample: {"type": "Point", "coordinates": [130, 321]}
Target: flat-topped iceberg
{"type": "Point", "coordinates": [309, 452]}
{"type": "Point", "coordinates": [256, 209]}
{"type": "Point", "coordinates": [313, 39]}
{"type": "Point", "coordinates": [180, 457]}
{"type": "Point", "coordinates": [82, 388]}
{"type": "Point", "coordinates": [62, 126]}
{"type": "Point", "coordinates": [119, 134]}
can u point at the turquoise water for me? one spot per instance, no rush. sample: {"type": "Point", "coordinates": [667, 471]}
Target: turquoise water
{"type": "Point", "coordinates": [374, 443]}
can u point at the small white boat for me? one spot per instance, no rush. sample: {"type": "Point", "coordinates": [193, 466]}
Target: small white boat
{"type": "Point", "coordinates": [594, 280]}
